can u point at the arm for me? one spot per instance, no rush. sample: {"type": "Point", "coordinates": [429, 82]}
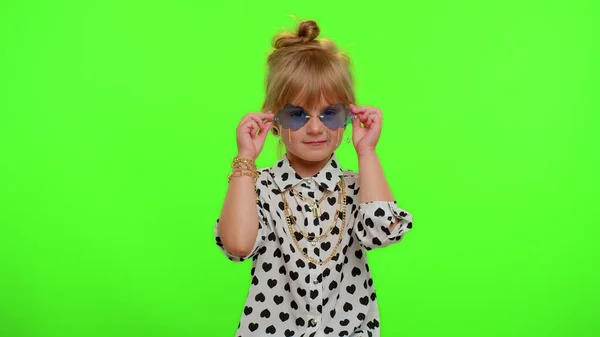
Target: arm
{"type": "Point", "coordinates": [242, 225]}
{"type": "Point", "coordinates": [238, 224]}
{"type": "Point", "coordinates": [379, 220]}
{"type": "Point", "coordinates": [372, 182]}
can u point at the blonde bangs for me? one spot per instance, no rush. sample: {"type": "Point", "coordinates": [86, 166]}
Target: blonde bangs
{"type": "Point", "coordinates": [311, 79]}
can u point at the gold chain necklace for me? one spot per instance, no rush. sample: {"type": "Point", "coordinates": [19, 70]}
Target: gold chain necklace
{"type": "Point", "coordinates": [311, 237]}
{"type": "Point", "coordinates": [312, 205]}
{"type": "Point", "coordinates": [290, 219]}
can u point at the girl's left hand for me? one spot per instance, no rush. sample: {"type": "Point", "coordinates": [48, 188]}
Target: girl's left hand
{"type": "Point", "coordinates": [366, 128]}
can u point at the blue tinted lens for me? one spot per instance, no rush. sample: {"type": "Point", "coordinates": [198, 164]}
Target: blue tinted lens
{"type": "Point", "coordinates": [291, 117]}
{"type": "Point", "coordinates": [336, 116]}
{"type": "Point", "coordinates": [294, 117]}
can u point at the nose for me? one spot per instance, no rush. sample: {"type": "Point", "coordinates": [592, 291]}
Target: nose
{"type": "Point", "coordinates": [315, 125]}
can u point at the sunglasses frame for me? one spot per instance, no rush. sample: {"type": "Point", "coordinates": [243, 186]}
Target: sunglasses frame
{"type": "Point", "coordinates": [348, 119]}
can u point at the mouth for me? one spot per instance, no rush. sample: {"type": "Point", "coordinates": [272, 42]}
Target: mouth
{"type": "Point", "coordinates": [316, 143]}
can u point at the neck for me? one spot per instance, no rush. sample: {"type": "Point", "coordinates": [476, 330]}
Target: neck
{"type": "Point", "coordinates": [306, 168]}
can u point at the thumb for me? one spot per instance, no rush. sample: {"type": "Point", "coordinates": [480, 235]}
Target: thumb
{"type": "Point", "coordinates": [356, 122]}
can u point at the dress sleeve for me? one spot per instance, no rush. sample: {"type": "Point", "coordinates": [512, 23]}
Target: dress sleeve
{"type": "Point", "coordinates": [373, 221]}
{"type": "Point", "coordinates": [263, 232]}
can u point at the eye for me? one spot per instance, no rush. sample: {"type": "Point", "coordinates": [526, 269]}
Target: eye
{"type": "Point", "coordinates": [330, 112]}
{"type": "Point", "coordinates": [296, 113]}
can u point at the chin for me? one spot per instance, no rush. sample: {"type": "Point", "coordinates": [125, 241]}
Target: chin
{"type": "Point", "coordinates": [315, 155]}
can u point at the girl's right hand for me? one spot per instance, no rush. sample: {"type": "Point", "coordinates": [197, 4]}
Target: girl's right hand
{"type": "Point", "coordinates": [251, 133]}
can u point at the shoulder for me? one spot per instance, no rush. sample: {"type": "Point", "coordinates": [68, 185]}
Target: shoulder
{"type": "Point", "coordinates": [265, 185]}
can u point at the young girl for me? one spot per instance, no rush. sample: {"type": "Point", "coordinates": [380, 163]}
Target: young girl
{"type": "Point", "coordinates": [305, 222]}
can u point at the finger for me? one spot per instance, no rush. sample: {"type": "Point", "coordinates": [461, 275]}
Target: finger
{"type": "Point", "coordinates": [356, 110]}
{"type": "Point", "coordinates": [263, 116]}
{"type": "Point", "coordinates": [251, 127]}
{"type": "Point", "coordinates": [266, 127]}
{"type": "Point", "coordinates": [244, 119]}
{"type": "Point", "coordinates": [368, 122]}
{"type": "Point", "coordinates": [267, 116]}
{"type": "Point", "coordinates": [375, 112]}
{"type": "Point", "coordinates": [363, 116]}
{"type": "Point", "coordinates": [362, 109]}
{"type": "Point", "coordinates": [374, 120]}
{"type": "Point", "coordinates": [265, 130]}
{"type": "Point", "coordinates": [356, 122]}
{"type": "Point", "coordinates": [371, 112]}
{"type": "Point", "coordinates": [258, 121]}
{"type": "Point", "coordinates": [357, 129]}
{"type": "Point", "coordinates": [367, 111]}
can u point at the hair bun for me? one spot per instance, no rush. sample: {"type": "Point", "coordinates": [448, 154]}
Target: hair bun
{"type": "Point", "coordinates": [306, 33]}
{"type": "Point", "coordinates": [308, 30]}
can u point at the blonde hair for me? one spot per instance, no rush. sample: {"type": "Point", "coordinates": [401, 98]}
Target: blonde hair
{"type": "Point", "coordinates": [306, 69]}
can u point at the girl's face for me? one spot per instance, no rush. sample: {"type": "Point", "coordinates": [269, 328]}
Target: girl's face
{"type": "Point", "coordinates": [312, 135]}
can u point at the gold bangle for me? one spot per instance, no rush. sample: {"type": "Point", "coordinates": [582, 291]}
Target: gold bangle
{"type": "Point", "coordinates": [242, 167]}
{"type": "Point", "coordinates": [237, 160]}
{"type": "Point", "coordinates": [242, 173]}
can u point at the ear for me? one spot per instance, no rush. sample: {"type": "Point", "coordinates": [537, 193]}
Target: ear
{"type": "Point", "coordinates": [276, 131]}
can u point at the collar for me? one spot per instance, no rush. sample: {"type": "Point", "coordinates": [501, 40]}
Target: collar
{"type": "Point", "coordinates": [285, 176]}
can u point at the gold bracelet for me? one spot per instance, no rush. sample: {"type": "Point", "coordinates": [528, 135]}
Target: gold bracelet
{"type": "Point", "coordinates": [242, 173]}
{"type": "Point", "coordinates": [240, 166]}
{"type": "Point", "coordinates": [237, 160]}
{"type": "Point", "coordinates": [245, 167]}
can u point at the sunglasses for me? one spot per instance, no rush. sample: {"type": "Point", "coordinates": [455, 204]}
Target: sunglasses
{"type": "Point", "coordinates": [294, 117]}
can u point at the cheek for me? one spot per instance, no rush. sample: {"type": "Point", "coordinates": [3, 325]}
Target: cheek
{"type": "Point", "coordinates": [336, 134]}
{"type": "Point", "coordinates": [296, 134]}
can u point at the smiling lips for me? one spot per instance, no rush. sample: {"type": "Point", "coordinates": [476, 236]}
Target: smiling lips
{"type": "Point", "coordinates": [315, 143]}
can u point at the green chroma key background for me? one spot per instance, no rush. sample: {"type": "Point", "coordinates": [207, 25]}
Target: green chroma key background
{"type": "Point", "coordinates": [117, 131]}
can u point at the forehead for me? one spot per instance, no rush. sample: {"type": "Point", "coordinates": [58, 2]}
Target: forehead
{"type": "Point", "coordinates": [315, 103]}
